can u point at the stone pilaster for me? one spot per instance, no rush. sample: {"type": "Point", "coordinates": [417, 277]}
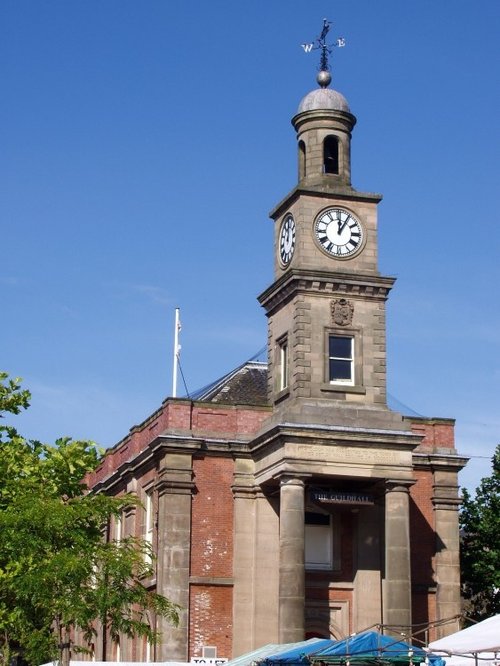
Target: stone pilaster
{"type": "Point", "coordinates": [397, 583]}
{"type": "Point", "coordinates": [266, 589]}
{"type": "Point", "coordinates": [291, 560]}
{"type": "Point", "coordinates": [244, 493]}
{"type": "Point", "coordinates": [129, 527]}
{"type": "Point", "coordinates": [447, 561]}
{"type": "Point", "coordinates": [367, 583]}
{"type": "Point", "coordinates": [175, 487]}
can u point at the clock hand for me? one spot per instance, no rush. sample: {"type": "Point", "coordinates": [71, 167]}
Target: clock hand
{"type": "Point", "coordinates": [341, 227]}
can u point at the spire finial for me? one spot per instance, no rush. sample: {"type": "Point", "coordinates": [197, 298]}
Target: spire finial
{"type": "Point", "coordinates": [323, 77]}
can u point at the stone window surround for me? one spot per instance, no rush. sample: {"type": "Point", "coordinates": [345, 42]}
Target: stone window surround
{"type": "Point", "coordinates": [339, 387]}
{"type": "Point", "coordinates": [281, 345]}
{"type": "Point", "coordinates": [334, 536]}
{"type": "Point", "coordinates": [149, 516]}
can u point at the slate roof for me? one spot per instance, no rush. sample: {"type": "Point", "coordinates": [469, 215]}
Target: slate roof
{"type": "Point", "coordinates": [246, 385]}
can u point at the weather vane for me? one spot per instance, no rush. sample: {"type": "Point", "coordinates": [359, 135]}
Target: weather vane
{"type": "Point", "coordinates": [326, 49]}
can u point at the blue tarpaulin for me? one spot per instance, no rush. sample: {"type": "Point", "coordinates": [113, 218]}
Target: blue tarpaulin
{"type": "Point", "coordinates": [367, 647]}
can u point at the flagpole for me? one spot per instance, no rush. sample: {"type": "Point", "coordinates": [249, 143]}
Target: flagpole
{"type": "Point", "coordinates": [176, 353]}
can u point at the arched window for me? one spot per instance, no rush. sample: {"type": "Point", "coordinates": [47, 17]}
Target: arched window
{"type": "Point", "coordinates": [302, 160]}
{"type": "Point", "coordinates": [331, 155]}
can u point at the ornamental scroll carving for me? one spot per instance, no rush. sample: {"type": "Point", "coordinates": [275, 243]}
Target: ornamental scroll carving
{"type": "Point", "coordinates": [342, 312]}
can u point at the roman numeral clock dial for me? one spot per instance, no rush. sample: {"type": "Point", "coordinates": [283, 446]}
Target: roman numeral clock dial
{"type": "Point", "coordinates": [338, 233]}
{"type": "Point", "coordinates": [287, 240]}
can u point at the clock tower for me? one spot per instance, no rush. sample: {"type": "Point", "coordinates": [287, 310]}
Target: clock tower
{"type": "Point", "coordinates": [326, 307]}
{"type": "Point", "coordinates": [331, 430]}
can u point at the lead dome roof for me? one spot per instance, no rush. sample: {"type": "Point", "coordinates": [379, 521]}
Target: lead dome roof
{"type": "Point", "coordinates": [324, 99]}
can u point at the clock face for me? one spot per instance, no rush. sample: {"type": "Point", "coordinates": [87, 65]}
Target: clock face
{"type": "Point", "coordinates": [339, 233]}
{"type": "Point", "coordinates": [287, 240]}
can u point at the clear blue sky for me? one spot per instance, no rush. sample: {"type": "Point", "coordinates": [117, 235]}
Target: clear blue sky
{"type": "Point", "coordinates": [143, 144]}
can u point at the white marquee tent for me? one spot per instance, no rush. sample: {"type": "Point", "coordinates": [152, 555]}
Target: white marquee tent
{"type": "Point", "coordinates": [479, 644]}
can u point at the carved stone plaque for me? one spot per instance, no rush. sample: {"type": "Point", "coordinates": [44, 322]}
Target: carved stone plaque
{"type": "Point", "coordinates": [342, 312]}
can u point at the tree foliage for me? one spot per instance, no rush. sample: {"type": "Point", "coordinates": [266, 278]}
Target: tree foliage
{"type": "Point", "coordinates": [480, 545]}
{"type": "Point", "coordinates": [57, 573]}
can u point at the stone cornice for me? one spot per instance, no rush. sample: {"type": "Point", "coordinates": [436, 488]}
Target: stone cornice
{"type": "Point", "coordinates": [397, 440]}
{"type": "Point", "coordinates": [344, 117]}
{"type": "Point", "coordinates": [172, 443]}
{"type": "Point", "coordinates": [325, 188]}
{"type": "Point", "coordinates": [446, 503]}
{"type": "Point", "coordinates": [448, 462]}
{"type": "Point", "coordinates": [347, 435]}
{"type": "Point", "coordinates": [175, 487]}
{"type": "Point", "coordinates": [326, 283]}
{"type": "Point", "coordinates": [297, 449]}
{"type": "Point", "coordinates": [445, 489]}
{"type": "Point", "coordinates": [176, 480]}
{"type": "Point", "coordinates": [243, 491]}
{"type": "Point", "coordinates": [430, 420]}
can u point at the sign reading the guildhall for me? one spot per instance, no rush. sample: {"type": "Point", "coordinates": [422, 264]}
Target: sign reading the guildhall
{"type": "Point", "coordinates": [336, 497]}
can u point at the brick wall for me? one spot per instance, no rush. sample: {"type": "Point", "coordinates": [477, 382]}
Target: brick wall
{"type": "Point", "coordinates": [423, 545]}
{"type": "Point", "coordinates": [437, 433]}
{"type": "Point", "coordinates": [185, 418]}
{"type": "Point", "coordinates": [423, 538]}
{"type": "Point", "coordinates": [210, 619]}
{"type": "Point", "coordinates": [212, 556]}
{"type": "Point", "coordinates": [212, 518]}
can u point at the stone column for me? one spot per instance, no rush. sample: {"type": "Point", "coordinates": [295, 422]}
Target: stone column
{"type": "Point", "coordinates": [291, 559]}
{"type": "Point", "coordinates": [175, 487]}
{"type": "Point", "coordinates": [397, 583]}
{"type": "Point", "coordinates": [447, 562]}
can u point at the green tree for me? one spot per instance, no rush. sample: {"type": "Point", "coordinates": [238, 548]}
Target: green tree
{"type": "Point", "coordinates": [57, 573]}
{"type": "Point", "coordinates": [480, 545]}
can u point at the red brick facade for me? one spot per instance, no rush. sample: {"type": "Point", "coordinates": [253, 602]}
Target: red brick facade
{"type": "Point", "coordinates": [219, 432]}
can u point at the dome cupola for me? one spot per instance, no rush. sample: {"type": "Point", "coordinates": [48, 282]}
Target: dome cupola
{"type": "Point", "coordinates": [323, 124]}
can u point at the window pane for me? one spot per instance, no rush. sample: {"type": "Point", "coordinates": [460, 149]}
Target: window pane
{"type": "Point", "coordinates": [284, 365]}
{"type": "Point", "coordinates": [317, 518]}
{"type": "Point", "coordinates": [318, 547]}
{"type": "Point", "coordinates": [340, 347]}
{"type": "Point", "coordinates": [340, 370]}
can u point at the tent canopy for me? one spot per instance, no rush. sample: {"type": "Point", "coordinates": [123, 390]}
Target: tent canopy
{"type": "Point", "coordinates": [368, 647]}
{"type": "Point", "coordinates": [372, 646]}
{"type": "Point", "coordinates": [271, 649]}
{"type": "Point", "coordinates": [481, 637]}
{"type": "Point", "coordinates": [299, 653]}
